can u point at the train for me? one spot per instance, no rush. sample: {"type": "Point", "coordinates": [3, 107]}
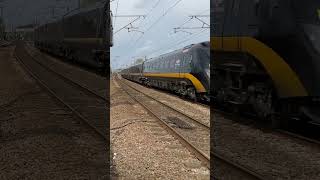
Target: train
{"type": "Point", "coordinates": [184, 71]}
{"type": "Point", "coordinates": [266, 58]}
{"type": "Point", "coordinates": [83, 35]}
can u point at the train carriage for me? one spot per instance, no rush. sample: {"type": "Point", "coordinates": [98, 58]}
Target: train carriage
{"type": "Point", "coordinates": [185, 71]}
{"type": "Point", "coordinates": [266, 56]}
{"type": "Point", "coordinates": [82, 35]}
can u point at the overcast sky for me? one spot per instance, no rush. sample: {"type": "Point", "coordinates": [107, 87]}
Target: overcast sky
{"type": "Point", "coordinates": [159, 36]}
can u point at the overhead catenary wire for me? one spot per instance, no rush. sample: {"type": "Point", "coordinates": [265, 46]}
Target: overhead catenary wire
{"type": "Point", "coordinates": [150, 22]}
{"type": "Point", "coordinates": [147, 15]}
{"type": "Point", "coordinates": [179, 43]}
{"type": "Point", "coordinates": [153, 7]}
{"type": "Point", "coordinates": [158, 20]}
{"type": "Point", "coordinates": [115, 17]}
{"type": "Point", "coordinates": [126, 26]}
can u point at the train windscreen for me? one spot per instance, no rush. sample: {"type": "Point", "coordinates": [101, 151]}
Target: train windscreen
{"type": "Point", "coordinates": [110, 30]}
{"type": "Point", "coordinates": [204, 59]}
{"type": "Point", "coordinates": [313, 33]}
{"type": "Point", "coordinates": [307, 14]}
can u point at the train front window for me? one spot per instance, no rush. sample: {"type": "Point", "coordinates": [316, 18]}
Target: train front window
{"type": "Point", "coordinates": [208, 71]}
{"type": "Point", "coordinates": [109, 31]}
{"type": "Point", "coordinates": [313, 33]}
{"type": "Point", "coordinates": [307, 15]}
{"type": "Point", "coordinates": [204, 59]}
{"type": "Point", "coordinates": [306, 12]}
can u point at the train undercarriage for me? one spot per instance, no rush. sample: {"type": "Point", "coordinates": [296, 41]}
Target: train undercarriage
{"type": "Point", "coordinates": [182, 87]}
{"type": "Point", "coordinates": [96, 58]}
{"type": "Point", "coordinates": [241, 84]}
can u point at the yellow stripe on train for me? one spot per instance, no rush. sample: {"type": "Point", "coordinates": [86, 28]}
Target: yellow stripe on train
{"type": "Point", "coordinates": [285, 79]}
{"type": "Point", "coordinates": [196, 83]}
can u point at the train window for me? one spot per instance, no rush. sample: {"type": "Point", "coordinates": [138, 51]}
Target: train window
{"type": "Point", "coordinates": [256, 7]}
{"type": "Point", "coordinates": [177, 63]}
{"type": "Point", "coordinates": [313, 34]}
{"type": "Point", "coordinates": [185, 60]}
{"type": "Point", "coordinates": [168, 63]}
{"type": "Point", "coordinates": [172, 62]}
{"type": "Point", "coordinates": [181, 61]}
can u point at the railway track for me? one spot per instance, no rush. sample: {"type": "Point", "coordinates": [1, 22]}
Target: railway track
{"type": "Point", "coordinates": [226, 168]}
{"type": "Point", "coordinates": [191, 133]}
{"type": "Point", "coordinates": [199, 102]}
{"type": "Point", "coordinates": [96, 83]}
{"type": "Point", "coordinates": [299, 137]}
{"type": "Point", "coordinates": [4, 43]}
{"type": "Point", "coordinates": [86, 104]}
{"type": "Point", "coordinates": [255, 123]}
{"type": "Point", "coordinates": [240, 170]}
{"type": "Point", "coordinates": [279, 132]}
{"type": "Point", "coordinates": [170, 107]}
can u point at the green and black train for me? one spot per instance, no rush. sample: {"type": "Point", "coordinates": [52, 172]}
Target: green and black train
{"type": "Point", "coordinates": [185, 71]}
{"type": "Point", "coordinates": [266, 56]}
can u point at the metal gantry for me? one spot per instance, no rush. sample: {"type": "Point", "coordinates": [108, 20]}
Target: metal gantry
{"type": "Point", "coordinates": [130, 26]}
{"type": "Point", "coordinates": [205, 25]}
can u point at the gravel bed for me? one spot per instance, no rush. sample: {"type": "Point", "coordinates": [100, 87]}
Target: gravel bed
{"type": "Point", "coordinates": [142, 149]}
{"type": "Point", "coordinates": [266, 152]}
{"type": "Point", "coordinates": [196, 134]}
{"type": "Point", "coordinates": [40, 139]}
{"type": "Point", "coordinates": [197, 111]}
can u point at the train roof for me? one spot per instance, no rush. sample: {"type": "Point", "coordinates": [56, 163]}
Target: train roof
{"type": "Point", "coordinates": [75, 11]}
{"type": "Point", "coordinates": [205, 44]}
{"type": "Point", "coordinates": [89, 8]}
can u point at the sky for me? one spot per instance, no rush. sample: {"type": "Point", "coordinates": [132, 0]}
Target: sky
{"type": "Point", "coordinates": [158, 38]}
{"type": "Point", "coordinates": [162, 16]}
